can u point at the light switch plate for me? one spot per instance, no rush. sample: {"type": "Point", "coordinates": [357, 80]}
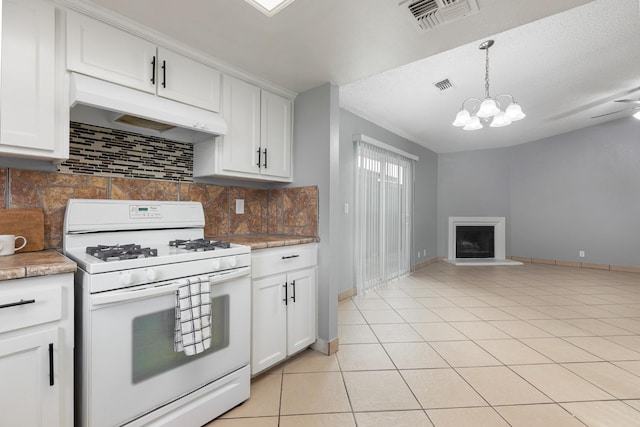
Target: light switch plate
{"type": "Point", "coordinates": [239, 206]}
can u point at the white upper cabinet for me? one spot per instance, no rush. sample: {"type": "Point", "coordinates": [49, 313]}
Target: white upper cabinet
{"type": "Point", "coordinates": [275, 136]}
{"type": "Point", "coordinates": [32, 122]}
{"type": "Point", "coordinates": [102, 51]}
{"type": "Point", "coordinates": [108, 53]}
{"type": "Point", "coordinates": [185, 80]}
{"type": "Point", "coordinates": [258, 144]}
{"type": "Point", "coordinates": [241, 110]}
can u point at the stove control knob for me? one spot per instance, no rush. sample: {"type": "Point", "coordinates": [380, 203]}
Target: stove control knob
{"type": "Point", "coordinates": [126, 278]}
{"type": "Point", "coordinates": [151, 273]}
{"type": "Point", "coordinates": [233, 261]}
{"type": "Point", "coordinates": [216, 263]}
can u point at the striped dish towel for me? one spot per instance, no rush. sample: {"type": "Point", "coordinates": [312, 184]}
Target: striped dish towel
{"type": "Point", "coordinates": [193, 316]}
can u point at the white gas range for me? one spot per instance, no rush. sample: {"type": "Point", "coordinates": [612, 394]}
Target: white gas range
{"type": "Point", "coordinates": [132, 258]}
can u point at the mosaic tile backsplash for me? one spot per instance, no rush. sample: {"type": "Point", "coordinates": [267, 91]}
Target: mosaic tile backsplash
{"type": "Point", "coordinates": [113, 164]}
{"type": "Point", "coordinates": [99, 151]}
{"type": "Point", "coordinates": [292, 211]}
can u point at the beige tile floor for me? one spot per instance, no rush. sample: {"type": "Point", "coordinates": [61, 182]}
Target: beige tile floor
{"type": "Point", "coordinates": [533, 345]}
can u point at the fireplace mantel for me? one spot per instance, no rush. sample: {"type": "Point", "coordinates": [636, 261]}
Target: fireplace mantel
{"type": "Point", "coordinates": [498, 224]}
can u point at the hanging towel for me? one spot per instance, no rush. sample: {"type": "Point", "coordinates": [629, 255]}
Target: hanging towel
{"type": "Point", "coordinates": [193, 316]}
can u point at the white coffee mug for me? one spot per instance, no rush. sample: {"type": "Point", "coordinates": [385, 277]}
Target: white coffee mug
{"type": "Point", "coordinates": [8, 244]}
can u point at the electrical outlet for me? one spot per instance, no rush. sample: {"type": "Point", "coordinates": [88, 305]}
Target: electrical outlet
{"type": "Point", "coordinates": [424, 252]}
{"type": "Point", "coordinates": [239, 206]}
{"type": "Point", "coordinates": [581, 254]}
{"type": "Point", "coordinates": [346, 208]}
{"type": "Point", "coordinates": [418, 254]}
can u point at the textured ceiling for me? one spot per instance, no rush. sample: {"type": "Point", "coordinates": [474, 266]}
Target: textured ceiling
{"type": "Point", "coordinates": [573, 55]}
{"type": "Point", "coordinates": [562, 70]}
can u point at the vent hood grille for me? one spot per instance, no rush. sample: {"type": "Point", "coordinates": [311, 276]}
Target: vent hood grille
{"type": "Point", "coordinates": [106, 104]}
{"type": "Point", "coordinates": [430, 14]}
{"type": "Point", "coordinates": [128, 119]}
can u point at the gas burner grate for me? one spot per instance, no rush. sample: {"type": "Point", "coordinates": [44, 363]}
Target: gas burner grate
{"type": "Point", "coordinates": [120, 252]}
{"type": "Point", "coordinates": [200, 244]}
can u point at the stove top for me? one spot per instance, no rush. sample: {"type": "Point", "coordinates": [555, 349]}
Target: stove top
{"type": "Point", "coordinates": [120, 252]}
{"type": "Point", "coordinates": [199, 244]}
{"type": "Point", "coordinates": [156, 233]}
{"type": "Point", "coordinates": [133, 251]}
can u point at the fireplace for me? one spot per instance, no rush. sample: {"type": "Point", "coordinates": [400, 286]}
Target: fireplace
{"type": "Point", "coordinates": [477, 241]}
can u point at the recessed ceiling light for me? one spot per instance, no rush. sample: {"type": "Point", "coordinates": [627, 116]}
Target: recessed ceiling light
{"type": "Point", "coordinates": [269, 7]}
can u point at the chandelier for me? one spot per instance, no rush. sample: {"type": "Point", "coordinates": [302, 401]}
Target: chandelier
{"type": "Point", "coordinates": [499, 111]}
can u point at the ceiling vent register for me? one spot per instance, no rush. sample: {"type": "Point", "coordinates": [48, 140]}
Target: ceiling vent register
{"type": "Point", "coordinates": [443, 85]}
{"type": "Point", "coordinates": [429, 14]}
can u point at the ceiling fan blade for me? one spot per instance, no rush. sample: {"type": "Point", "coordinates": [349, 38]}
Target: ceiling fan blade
{"type": "Point", "coordinates": [615, 112]}
{"type": "Point", "coordinates": [631, 101]}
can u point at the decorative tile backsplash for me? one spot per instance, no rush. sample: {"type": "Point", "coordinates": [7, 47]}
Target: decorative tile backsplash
{"type": "Point", "coordinates": [292, 211]}
{"type": "Point", "coordinates": [3, 188]}
{"type": "Point", "coordinates": [50, 191]}
{"type": "Point", "coordinates": [95, 150]}
{"type": "Point", "coordinates": [112, 164]}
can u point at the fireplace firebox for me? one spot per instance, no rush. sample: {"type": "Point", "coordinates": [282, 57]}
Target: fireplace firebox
{"type": "Point", "coordinates": [475, 241]}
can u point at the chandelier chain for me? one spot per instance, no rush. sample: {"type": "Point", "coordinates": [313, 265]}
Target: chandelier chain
{"type": "Point", "coordinates": [486, 75]}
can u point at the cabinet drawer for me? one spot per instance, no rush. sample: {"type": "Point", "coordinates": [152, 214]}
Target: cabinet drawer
{"type": "Point", "coordinates": [265, 262]}
{"type": "Point", "coordinates": [29, 307]}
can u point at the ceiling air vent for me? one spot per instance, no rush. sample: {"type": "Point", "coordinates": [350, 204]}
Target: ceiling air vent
{"type": "Point", "coordinates": [429, 14]}
{"type": "Point", "coordinates": [443, 85]}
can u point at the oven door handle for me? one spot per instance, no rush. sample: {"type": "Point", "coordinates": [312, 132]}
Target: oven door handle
{"type": "Point", "coordinates": [224, 276]}
{"type": "Point", "coordinates": [132, 294]}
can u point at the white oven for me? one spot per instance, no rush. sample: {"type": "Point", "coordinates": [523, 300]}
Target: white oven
{"type": "Point", "coordinates": [127, 371]}
{"type": "Point", "coordinates": [133, 365]}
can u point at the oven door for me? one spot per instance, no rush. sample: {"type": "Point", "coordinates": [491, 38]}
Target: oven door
{"type": "Point", "coordinates": [133, 368]}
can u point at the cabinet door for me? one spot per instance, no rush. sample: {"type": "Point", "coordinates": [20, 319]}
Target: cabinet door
{"type": "Point", "coordinates": [301, 310]}
{"type": "Point", "coordinates": [241, 109]}
{"type": "Point", "coordinates": [269, 323]}
{"type": "Point", "coordinates": [108, 53]}
{"type": "Point", "coordinates": [185, 80]}
{"type": "Point", "coordinates": [27, 398]}
{"type": "Point", "coordinates": [275, 135]}
{"type": "Point", "coordinates": [28, 77]}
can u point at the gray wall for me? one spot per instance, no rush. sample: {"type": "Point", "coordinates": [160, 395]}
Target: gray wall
{"type": "Point", "coordinates": [571, 192]}
{"type": "Point", "coordinates": [316, 162]}
{"type": "Point", "coordinates": [425, 211]}
{"type": "Point", "coordinates": [473, 183]}
{"type": "Point", "coordinates": [579, 191]}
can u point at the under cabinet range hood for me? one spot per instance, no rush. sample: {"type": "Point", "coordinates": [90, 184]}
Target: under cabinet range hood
{"type": "Point", "coordinates": [101, 103]}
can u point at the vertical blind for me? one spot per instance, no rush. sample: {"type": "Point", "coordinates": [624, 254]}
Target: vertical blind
{"type": "Point", "coordinates": [384, 199]}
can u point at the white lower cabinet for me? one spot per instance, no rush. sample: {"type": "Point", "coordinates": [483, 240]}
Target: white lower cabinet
{"type": "Point", "coordinates": [283, 303]}
{"type": "Point", "coordinates": [36, 351]}
{"type": "Point", "coordinates": [27, 367]}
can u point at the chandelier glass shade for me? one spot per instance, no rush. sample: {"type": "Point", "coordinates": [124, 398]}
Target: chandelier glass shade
{"type": "Point", "coordinates": [497, 111]}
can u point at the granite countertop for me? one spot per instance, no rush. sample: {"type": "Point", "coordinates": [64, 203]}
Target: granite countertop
{"type": "Point", "coordinates": [31, 264]}
{"type": "Point", "coordinates": [261, 241]}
